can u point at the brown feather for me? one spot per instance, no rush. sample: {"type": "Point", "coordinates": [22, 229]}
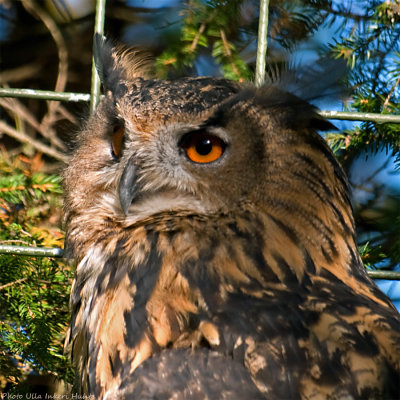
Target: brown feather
{"type": "Point", "coordinates": [249, 262]}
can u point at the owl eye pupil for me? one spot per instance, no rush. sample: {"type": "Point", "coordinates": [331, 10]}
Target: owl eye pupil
{"type": "Point", "coordinates": [204, 146]}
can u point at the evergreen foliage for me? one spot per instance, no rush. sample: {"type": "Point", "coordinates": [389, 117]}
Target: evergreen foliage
{"type": "Point", "coordinates": [34, 291]}
{"type": "Point", "coordinates": [370, 44]}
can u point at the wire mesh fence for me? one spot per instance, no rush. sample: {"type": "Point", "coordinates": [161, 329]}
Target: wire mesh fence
{"type": "Point", "coordinates": [94, 98]}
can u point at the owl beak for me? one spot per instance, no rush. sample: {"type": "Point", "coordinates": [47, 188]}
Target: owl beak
{"type": "Point", "coordinates": [127, 189]}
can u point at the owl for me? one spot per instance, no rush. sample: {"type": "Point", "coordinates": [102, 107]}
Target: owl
{"type": "Point", "coordinates": [215, 248]}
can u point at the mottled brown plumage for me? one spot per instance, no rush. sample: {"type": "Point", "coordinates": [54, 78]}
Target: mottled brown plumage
{"type": "Point", "coordinates": [233, 278]}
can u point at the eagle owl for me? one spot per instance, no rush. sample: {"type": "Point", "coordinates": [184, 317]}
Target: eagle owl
{"type": "Point", "coordinates": [215, 248]}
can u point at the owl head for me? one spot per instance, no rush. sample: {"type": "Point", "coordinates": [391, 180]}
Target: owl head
{"type": "Point", "coordinates": [204, 146]}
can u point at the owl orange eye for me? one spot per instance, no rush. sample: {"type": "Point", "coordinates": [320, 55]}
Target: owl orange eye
{"type": "Point", "coordinates": [117, 141]}
{"type": "Point", "coordinates": [201, 147]}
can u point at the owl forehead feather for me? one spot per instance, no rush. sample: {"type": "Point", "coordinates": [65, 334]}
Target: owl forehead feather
{"type": "Point", "coordinates": [183, 100]}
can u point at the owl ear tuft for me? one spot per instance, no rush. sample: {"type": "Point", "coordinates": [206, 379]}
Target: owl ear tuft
{"type": "Point", "coordinates": [115, 64]}
{"type": "Point", "coordinates": [104, 56]}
